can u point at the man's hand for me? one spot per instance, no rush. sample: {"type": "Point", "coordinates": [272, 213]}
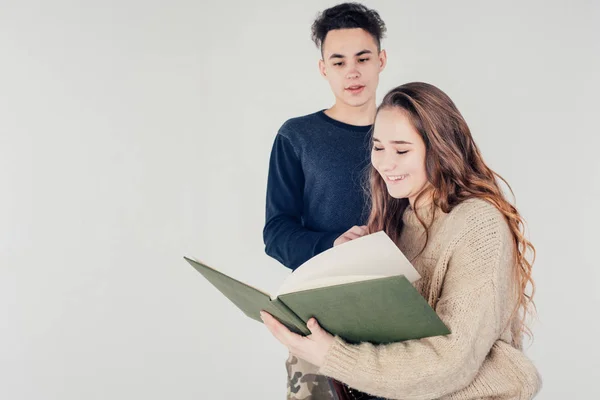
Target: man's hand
{"type": "Point", "coordinates": [353, 233]}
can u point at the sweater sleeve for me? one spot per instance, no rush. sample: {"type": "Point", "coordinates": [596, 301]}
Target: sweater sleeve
{"type": "Point", "coordinates": [284, 236]}
{"type": "Point", "coordinates": [473, 305]}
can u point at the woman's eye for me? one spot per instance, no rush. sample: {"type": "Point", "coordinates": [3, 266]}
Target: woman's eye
{"type": "Point", "coordinates": [402, 152]}
{"type": "Point", "coordinates": [377, 149]}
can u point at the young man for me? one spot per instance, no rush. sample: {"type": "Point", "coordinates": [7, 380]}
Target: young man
{"type": "Point", "coordinates": [318, 162]}
{"type": "Point", "coordinates": [316, 173]}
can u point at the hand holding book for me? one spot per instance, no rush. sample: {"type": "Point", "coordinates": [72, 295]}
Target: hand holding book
{"type": "Point", "coordinates": [361, 291]}
{"type": "Point", "coordinates": [311, 348]}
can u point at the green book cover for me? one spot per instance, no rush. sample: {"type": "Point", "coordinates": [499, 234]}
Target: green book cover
{"type": "Point", "coordinates": [365, 295]}
{"type": "Point", "coordinates": [249, 299]}
{"type": "Point", "coordinates": [382, 310]}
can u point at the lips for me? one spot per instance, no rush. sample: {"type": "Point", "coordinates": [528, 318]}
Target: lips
{"type": "Point", "coordinates": [354, 89]}
{"type": "Point", "coordinates": [395, 178]}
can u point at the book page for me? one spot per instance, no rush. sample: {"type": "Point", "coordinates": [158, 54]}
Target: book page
{"type": "Point", "coordinates": [331, 281]}
{"type": "Point", "coordinates": [368, 257]}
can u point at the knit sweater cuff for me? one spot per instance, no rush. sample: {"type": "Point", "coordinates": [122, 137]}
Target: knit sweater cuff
{"type": "Point", "coordinates": [340, 361]}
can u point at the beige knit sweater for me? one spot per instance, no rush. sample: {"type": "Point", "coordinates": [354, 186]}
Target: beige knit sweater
{"type": "Point", "coordinates": [467, 277]}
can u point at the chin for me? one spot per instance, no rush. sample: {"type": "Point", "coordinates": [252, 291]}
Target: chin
{"type": "Point", "coordinates": [398, 195]}
{"type": "Point", "coordinates": [358, 101]}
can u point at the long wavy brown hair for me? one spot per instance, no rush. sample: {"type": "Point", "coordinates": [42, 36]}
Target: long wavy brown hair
{"type": "Point", "coordinates": [456, 172]}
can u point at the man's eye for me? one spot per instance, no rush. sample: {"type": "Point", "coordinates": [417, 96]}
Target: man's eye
{"type": "Point", "coordinates": [337, 64]}
{"type": "Point", "coordinates": [363, 59]}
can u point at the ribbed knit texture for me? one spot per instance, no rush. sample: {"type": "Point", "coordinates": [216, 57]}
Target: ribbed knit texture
{"type": "Point", "coordinates": [467, 277]}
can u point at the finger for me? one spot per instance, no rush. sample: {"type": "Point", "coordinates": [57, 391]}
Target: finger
{"type": "Point", "coordinates": [351, 235]}
{"type": "Point", "coordinates": [273, 326]}
{"type": "Point", "coordinates": [358, 230]}
{"type": "Point", "coordinates": [343, 239]}
{"type": "Point", "coordinates": [314, 327]}
{"type": "Point", "coordinates": [280, 331]}
{"type": "Point", "coordinates": [362, 230]}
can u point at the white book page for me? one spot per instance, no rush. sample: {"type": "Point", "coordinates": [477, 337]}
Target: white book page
{"type": "Point", "coordinates": [331, 281]}
{"type": "Point", "coordinates": [368, 257]}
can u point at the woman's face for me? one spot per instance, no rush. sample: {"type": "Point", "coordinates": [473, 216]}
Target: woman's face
{"type": "Point", "coordinates": [398, 154]}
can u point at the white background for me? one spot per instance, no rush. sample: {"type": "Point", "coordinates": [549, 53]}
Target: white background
{"type": "Point", "coordinates": [134, 132]}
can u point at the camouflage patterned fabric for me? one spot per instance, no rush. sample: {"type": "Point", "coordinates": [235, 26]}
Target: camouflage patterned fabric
{"type": "Point", "coordinates": [304, 383]}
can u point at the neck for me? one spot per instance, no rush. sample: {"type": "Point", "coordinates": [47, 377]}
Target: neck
{"type": "Point", "coordinates": [353, 115]}
{"type": "Point", "coordinates": [422, 202]}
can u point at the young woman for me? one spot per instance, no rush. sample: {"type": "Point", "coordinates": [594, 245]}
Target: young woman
{"type": "Point", "coordinates": [433, 194]}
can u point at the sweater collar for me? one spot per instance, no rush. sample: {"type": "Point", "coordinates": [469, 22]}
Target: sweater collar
{"type": "Point", "coordinates": [427, 213]}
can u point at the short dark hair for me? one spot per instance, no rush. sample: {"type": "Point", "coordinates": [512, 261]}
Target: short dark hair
{"type": "Point", "coordinates": [348, 16]}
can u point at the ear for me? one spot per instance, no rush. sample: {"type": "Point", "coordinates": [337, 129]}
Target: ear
{"type": "Point", "coordinates": [382, 60]}
{"type": "Point", "coordinates": [322, 69]}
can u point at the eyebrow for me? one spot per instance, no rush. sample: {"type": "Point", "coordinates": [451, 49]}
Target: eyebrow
{"type": "Point", "coordinates": [360, 53]}
{"type": "Point", "coordinates": [393, 141]}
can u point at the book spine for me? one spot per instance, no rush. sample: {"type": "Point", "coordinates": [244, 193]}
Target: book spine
{"type": "Point", "coordinates": [291, 316]}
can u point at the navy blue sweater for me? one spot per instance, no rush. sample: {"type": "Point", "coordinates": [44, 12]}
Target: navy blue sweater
{"type": "Point", "coordinates": [315, 188]}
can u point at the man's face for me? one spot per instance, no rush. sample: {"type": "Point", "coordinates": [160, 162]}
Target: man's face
{"type": "Point", "coordinates": [351, 64]}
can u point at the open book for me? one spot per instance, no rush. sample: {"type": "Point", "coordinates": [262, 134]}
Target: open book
{"type": "Point", "coordinates": [361, 291]}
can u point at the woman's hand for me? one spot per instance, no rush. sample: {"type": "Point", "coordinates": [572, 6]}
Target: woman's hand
{"type": "Point", "coordinates": [311, 348]}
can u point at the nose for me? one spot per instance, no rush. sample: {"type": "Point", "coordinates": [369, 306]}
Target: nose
{"type": "Point", "coordinates": [353, 72]}
{"type": "Point", "coordinates": [385, 161]}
